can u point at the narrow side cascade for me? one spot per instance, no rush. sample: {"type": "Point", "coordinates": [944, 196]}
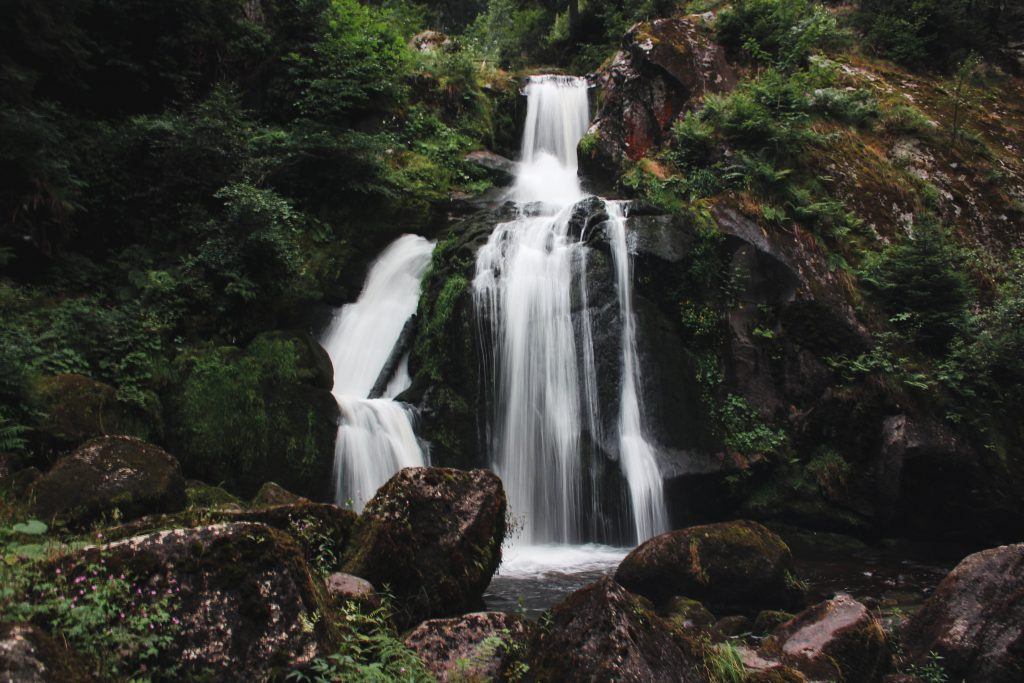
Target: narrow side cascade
{"type": "Point", "coordinates": [376, 436]}
{"type": "Point", "coordinates": [544, 380]}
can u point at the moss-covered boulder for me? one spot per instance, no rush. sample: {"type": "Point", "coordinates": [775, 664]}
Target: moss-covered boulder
{"type": "Point", "coordinates": [602, 632]}
{"type": "Point", "coordinates": [432, 538]}
{"type": "Point", "coordinates": [731, 566]}
{"type": "Point", "coordinates": [109, 476]}
{"type": "Point", "coordinates": [74, 408]}
{"type": "Point", "coordinates": [271, 494]}
{"type": "Point", "coordinates": [321, 530]}
{"type": "Point", "coordinates": [242, 597]}
{"type": "Point", "coordinates": [29, 655]}
{"type": "Point", "coordinates": [688, 613]}
{"type": "Point", "coordinates": [482, 646]}
{"type": "Point", "coordinates": [202, 495]}
{"type": "Point", "coordinates": [975, 619]}
{"type": "Point", "coordinates": [838, 639]}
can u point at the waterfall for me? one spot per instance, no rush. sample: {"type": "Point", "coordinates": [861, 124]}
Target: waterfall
{"type": "Point", "coordinates": [544, 377]}
{"type": "Point", "coordinates": [375, 437]}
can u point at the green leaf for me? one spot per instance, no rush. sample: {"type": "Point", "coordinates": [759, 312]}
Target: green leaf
{"type": "Point", "coordinates": [32, 527]}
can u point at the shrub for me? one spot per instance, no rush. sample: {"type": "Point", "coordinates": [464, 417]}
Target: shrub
{"type": "Point", "coordinates": [779, 32]}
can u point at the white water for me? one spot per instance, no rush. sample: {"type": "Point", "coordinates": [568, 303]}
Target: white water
{"type": "Point", "coordinates": [375, 437]}
{"type": "Point", "coordinates": [544, 376]}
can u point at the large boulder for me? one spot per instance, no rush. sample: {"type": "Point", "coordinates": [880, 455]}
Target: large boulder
{"type": "Point", "coordinates": [500, 170]}
{"type": "Point", "coordinates": [731, 566]}
{"type": "Point", "coordinates": [838, 639]}
{"type": "Point", "coordinates": [29, 655]}
{"type": "Point", "coordinates": [321, 530]}
{"type": "Point", "coordinates": [664, 67]}
{"type": "Point", "coordinates": [482, 646]}
{"type": "Point", "coordinates": [244, 597]}
{"type": "Point", "coordinates": [432, 538]}
{"type": "Point", "coordinates": [108, 474]}
{"type": "Point", "coordinates": [603, 632]}
{"type": "Point", "coordinates": [975, 619]}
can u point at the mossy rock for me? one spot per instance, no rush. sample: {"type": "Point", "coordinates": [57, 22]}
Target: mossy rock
{"type": "Point", "coordinates": [738, 567]}
{"type": "Point", "coordinates": [432, 538]}
{"type": "Point", "coordinates": [74, 408]}
{"type": "Point", "coordinates": [243, 594]}
{"type": "Point", "coordinates": [322, 530]}
{"type": "Point", "coordinates": [688, 613]}
{"type": "Point", "coordinates": [770, 619]}
{"type": "Point", "coordinates": [271, 494]}
{"type": "Point", "coordinates": [29, 654]}
{"type": "Point", "coordinates": [201, 495]}
{"type": "Point", "coordinates": [602, 632]}
{"type": "Point", "coordinates": [313, 365]}
{"type": "Point", "coordinates": [112, 476]}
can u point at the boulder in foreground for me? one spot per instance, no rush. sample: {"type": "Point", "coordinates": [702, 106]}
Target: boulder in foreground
{"type": "Point", "coordinates": [975, 619]}
{"type": "Point", "coordinates": [110, 473]}
{"type": "Point", "coordinates": [29, 655]}
{"type": "Point", "coordinates": [431, 537]}
{"type": "Point", "coordinates": [838, 639]}
{"type": "Point", "coordinates": [731, 567]}
{"type": "Point", "coordinates": [602, 632]}
{"type": "Point", "coordinates": [482, 646]}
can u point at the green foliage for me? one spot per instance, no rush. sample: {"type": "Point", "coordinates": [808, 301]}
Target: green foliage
{"type": "Point", "coordinates": [744, 430]}
{"type": "Point", "coordinates": [506, 31]}
{"type": "Point", "coordinates": [937, 33]}
{"type": "Point", "coordinates": [922, 281]}
{"type": "Point", "coordinates": [931, 671]}
{"type": "Point", "coordinates": [369, 650]}
{"type": "Point", "coordinates": [779, 32]}
{"type": "Point", "coordinates": [724, 664]}
{"type": "Point", "coordinates": [120, 623]}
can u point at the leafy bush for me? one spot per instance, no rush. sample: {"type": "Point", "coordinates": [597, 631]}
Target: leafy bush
{"type": "Point", "coordinates": [779, 32]}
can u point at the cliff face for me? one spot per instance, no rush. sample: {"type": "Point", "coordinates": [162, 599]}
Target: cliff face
{"type": "Point", "coordinates": [820, 257]}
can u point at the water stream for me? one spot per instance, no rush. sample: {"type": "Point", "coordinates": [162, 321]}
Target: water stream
{"type": "Point", "coordinates": [376, 436]}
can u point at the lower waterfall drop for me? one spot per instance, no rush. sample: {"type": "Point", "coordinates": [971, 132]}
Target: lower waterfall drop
{"type": "Point", "coordinates": [543, 370]}
{"type": "Point", "coordinates": [375, 437]}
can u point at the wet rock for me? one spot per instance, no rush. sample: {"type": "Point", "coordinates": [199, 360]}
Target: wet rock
{"type": "Point", "coordinates": [110, 473]}
{"type": "Point", "coordinates": [837, 639]}
{"type": "Point", "coordinates": [29, 655]}
{"type": "Point", "coordinates": [344, 588]}
{"type": "Point", "coordinates": [688, 613]}
{"type": "Point", "coordinates": [244, 597]}
{"type": "Point", "coordinates": [603, 632]}
{"type": "Point", "coordinates": [664, 67]}
{"type": "Point", "coordinates": [483, 646]}
{"type": "Point", "coordinates": [975, 619]}
{"type": "Point", "coordinates": [271, 494]}
{"type": "Point", "coordinates": [500, 170]}
{"type": "Point", "coordinates": [432, 538]}
{"type": "Point", "coordinates": [740, 566]}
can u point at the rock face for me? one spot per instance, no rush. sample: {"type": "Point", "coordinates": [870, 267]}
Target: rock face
{"type": "Point", "coordinates": [730, 566]}
{"type": "Point", "coordinates": [602, 632]}
{"type": "Point", "coordinates": [838, 639]}
{"type": "Point", "coordinates": [664, 67]}
{"type": "Point", "coordinates": [432, 537]}
{"type": "Point", "coordinates": [501, 171]}
{"type": "Point", "coordinates": [244, 602]}
{"type": "Point", "coordinates": [75, 408]}
{"type": "Point", "coordinates": [975, 619]}
{"type": "Point", "coordinates": [271, 494]}
{"type": "Point", "coordinates": [108, 473]}
{"type": "Point", "coordinates": [482, 646]}
{"type": "Point", "coordinates": [29, 655]}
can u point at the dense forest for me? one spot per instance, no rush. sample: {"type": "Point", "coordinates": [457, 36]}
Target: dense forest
{"type": "Point", "coordinates": [188, 189]}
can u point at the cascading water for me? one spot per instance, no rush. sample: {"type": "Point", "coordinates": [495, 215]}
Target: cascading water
{"type": "Point", "coordinates": [544, 376]}
{"type": "Point", "coordinates": [375, 437]}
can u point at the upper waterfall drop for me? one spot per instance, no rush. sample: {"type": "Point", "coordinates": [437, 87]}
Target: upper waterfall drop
{"type": "Point", "coordinates": [375, 437]}
{"type": "Point", "coordinates": [544, 416]}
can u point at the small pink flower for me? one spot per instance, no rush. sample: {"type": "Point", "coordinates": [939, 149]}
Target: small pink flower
{"type": "Point", "coordinates": [58, 570]}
